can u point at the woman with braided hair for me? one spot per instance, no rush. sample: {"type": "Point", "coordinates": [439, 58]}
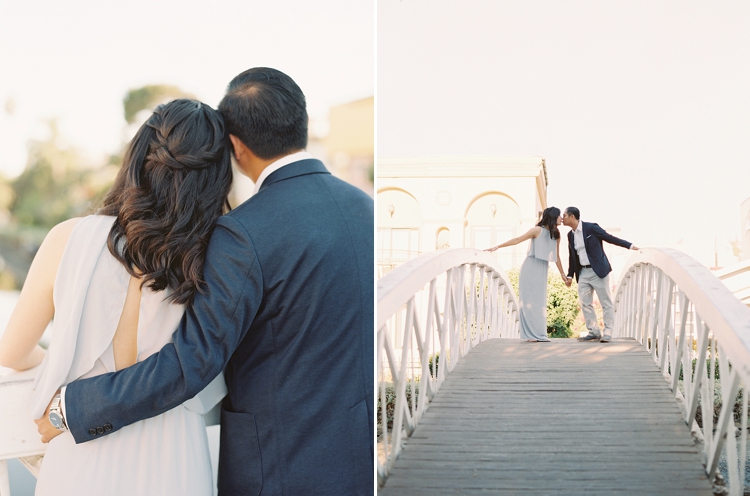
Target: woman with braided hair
{"type": "Point", "coordinates": [117, 283]}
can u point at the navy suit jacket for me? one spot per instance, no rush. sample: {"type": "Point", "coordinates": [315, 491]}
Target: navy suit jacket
{"type": "Point", "coordinates": [593, 235]}
{"type": "Point", "coordinates": [288, 315]}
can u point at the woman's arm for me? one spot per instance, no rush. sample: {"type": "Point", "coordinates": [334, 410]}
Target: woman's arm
{"type": "Point", "coordinates": [34, 310]}
{"type": "Point", "coordinates": [559, 262]}
{"type": "Point", "coordinates": [531, 233]}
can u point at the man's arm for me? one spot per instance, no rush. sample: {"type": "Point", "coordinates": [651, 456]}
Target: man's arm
{"type": "Point", "coordinates": [605, 236]}
{"type": "Point", "coordinates": [210, 331]}
{"type": "Point", "coordinates": [571, 261]}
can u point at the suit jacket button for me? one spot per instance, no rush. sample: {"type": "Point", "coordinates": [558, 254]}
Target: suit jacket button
{"type": "Point", "coordinates": [92, 432]}
{"type": "Point", "coordinates": [107, 427]}
{"type": "Point", "coordinates": [100, 430]}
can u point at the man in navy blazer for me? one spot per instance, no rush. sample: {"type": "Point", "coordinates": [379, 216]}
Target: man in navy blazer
{"type": "Point", "coordinates": [287, 314]}
{"type": "Point", "coordinates": [588, 262]}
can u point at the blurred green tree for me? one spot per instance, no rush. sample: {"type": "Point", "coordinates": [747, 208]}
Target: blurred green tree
{"type": "Point", "coordinates": [55, 185]}
{"type": "Point", "coordinates": [148, 97]}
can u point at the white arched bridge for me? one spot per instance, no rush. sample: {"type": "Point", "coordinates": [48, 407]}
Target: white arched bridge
{"type": "Point", "coordinates": [466, 407]}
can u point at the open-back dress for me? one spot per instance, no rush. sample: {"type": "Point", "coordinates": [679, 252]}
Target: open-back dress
{"type": "Point", "coordinates": [164, 455]}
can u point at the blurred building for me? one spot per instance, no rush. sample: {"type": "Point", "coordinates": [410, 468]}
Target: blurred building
{"type": "Point", "coordinates": [347, 150]}
{"type": "Point", "coordinates": [430, 203]}
{"type": "Point", "coordinates": [350, 144]}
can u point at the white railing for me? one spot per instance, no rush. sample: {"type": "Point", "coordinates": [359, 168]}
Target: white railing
{"type": "Point", "coordinates": [18, 435]}
{"type": "Point", "coordinates": [689, 322]}
{"type": "Point", "coordinates": [445, 303]}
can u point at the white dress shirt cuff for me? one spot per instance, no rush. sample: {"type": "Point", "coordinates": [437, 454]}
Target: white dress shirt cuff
{"type": "Point", "coordinates": [62, 403]}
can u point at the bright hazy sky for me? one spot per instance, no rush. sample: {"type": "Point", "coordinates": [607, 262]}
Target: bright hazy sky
{"type": "Point", "coordinates": [640, 108]}
{"type": "Point", "coordinates": [75, 60]}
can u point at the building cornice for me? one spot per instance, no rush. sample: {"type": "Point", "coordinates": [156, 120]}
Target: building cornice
{"type": "Point", "coordinates": [462, 166]}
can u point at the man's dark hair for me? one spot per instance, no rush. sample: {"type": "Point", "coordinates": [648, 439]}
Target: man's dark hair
{"type": "Point", "coordinates": [574, 212]}
{"type": "Point", "coordinates": [266, 110]}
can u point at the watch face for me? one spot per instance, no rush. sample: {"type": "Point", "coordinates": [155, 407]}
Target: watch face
{"type": "Point", "coordinates": [56, 420]}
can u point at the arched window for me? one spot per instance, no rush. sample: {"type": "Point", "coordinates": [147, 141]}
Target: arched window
{"type": "Point", "coordinates": [443, 238]}
{"type": "Point", "coordinates": [491, 219]}
{"type": "Point", "coordinates": [399, 217]}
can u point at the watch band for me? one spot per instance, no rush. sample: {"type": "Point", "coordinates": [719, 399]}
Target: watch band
{"type": "Point", "coordinates": [56, 417]}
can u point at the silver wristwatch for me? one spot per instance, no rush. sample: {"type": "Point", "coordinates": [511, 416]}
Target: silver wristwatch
{"type": "Point", "coordinates": [56, 417]}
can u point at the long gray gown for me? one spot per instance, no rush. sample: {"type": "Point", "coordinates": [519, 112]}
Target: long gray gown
{"type": "Point", "coordinates": [532, 286]}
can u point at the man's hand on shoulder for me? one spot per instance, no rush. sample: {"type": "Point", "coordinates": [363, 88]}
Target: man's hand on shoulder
{"type": "Point", "coordinates": [45, 428]}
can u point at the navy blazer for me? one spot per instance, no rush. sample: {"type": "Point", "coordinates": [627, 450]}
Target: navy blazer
{"type": "Point", "coordinates": [288, 314]}
{"type": "Point", "coordinates": [593, 235]}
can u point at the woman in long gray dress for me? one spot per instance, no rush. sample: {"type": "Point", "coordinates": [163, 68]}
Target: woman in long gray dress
{"type": "Point", "coordinates": [532, 281]}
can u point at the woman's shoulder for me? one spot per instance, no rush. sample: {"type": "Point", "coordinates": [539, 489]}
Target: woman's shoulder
{"type": "Point", "coordinates": [60, 234]}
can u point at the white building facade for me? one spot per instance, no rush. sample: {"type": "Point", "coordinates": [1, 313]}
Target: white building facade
{"type": "Point", "coordinates": [745, 230]}
{"type": "Point", "coordinates": [430, 203]}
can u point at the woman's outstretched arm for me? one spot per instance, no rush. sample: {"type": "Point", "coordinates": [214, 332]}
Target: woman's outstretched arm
{"type": "Point", "coordinates": [19, 348]}
{"type": "Point", "coordinates": [531, 233]}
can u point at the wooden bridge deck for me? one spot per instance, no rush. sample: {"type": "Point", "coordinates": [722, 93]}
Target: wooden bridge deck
{"type": "Point", "coordinates": [552, 418]}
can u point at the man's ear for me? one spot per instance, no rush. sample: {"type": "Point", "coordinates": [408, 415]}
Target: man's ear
{"type": "Point", "coordinates": [239, 147]}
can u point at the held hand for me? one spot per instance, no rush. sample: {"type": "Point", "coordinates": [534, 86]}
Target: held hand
{"type": "Point", "coordinates": [568, 281]}
{"type": "Point", "coordinates": [634, 248]}
{"type": "Point", "coordinates": [44, 427]}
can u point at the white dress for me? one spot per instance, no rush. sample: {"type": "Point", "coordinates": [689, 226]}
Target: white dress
{"type": "Point", "coordinates": [163, 455]}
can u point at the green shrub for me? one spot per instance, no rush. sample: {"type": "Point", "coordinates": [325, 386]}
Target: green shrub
{"type": "Point", "coordinates": [562, 304]}
{"type": "Point", "coordinates": [390, 403]}
{"type": "Point", "coordinates": [436, 356]}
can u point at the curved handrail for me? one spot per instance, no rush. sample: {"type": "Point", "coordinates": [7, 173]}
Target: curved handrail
{"type": "Point", "coordinates": [478, 304]}
{"type": "Point", "coordinates": [395, 288]}
{"type": "Point", "coordinates": [728, 318]}
{"type": "Point", "coordinates": [691, 324]}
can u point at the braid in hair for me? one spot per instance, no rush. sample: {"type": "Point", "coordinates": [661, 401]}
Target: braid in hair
{"type": "Point", "coordinates": [171, 189]}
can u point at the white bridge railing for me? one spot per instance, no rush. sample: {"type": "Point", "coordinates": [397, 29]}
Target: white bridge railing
{"type": "Point", "coordinates": [18, 435]}
{"type": "Point", "coordinates": [698, 333]}
{"type": "Point", "coordinates": [431, 311]}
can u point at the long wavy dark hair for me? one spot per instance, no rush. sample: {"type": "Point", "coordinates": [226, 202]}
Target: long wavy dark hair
{"type": "Point", "coordinates": [172, 187]}
{"type": "Point", "coordinates": [549, 220]}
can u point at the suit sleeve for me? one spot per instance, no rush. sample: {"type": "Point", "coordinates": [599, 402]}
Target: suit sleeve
{"type": "Point", "coordinates": [209, 332]}
{"type": "Point", "coordinates": [571, 260]}
{"type": "Point", "coordinates": [605, 236]}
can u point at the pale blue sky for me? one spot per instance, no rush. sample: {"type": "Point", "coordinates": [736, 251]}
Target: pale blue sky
{"type": "Point", "coordinates": [640, 108]}
{"type": "Point", "coordinates": [75, 60]}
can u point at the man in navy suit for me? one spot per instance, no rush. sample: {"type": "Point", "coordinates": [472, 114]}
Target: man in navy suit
{"type": "Point", "coordinates": [588, 262]}
{"type": "Point", "coordinates": [287, 314]}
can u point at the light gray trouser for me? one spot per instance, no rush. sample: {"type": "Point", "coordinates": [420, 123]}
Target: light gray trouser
{"type": "Point", "coordinates": [588, 282]}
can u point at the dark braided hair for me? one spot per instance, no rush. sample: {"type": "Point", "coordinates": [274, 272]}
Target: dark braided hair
{"type": "Point", "coordinates": [172, 187]}
{"type": "Point", "coordinates": [549, 220]}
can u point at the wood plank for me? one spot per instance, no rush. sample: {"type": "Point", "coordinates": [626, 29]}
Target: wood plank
{"type": "Point", "coordinates": [552, 418]}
